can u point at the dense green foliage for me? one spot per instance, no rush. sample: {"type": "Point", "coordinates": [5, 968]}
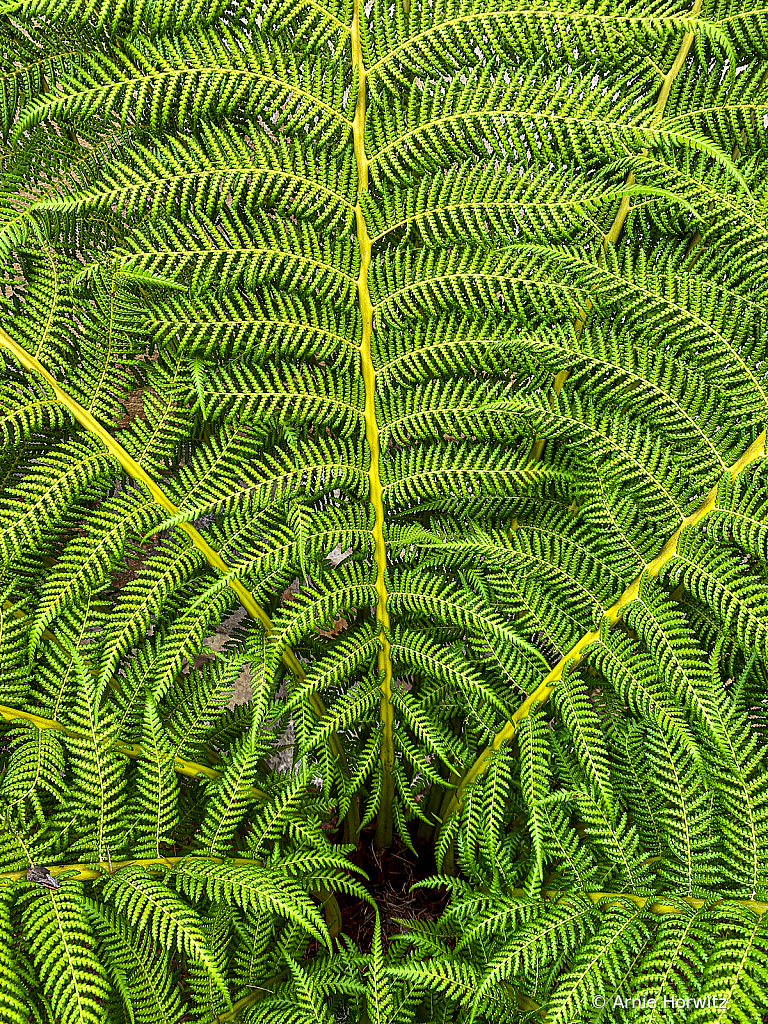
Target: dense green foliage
{"type": "Point", "coordinates": [448, 322]}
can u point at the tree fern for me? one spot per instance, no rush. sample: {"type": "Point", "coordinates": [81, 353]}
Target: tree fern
{"type": "Point", "coordinates": [432, 336]}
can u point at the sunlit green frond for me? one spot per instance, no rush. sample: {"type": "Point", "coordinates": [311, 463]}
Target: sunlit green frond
{"type": "Point", "coordinates": [232, 249]}
{"type": "Point", "coordinates": [529, 106]}
{"type": "Point", "coordinates": [204, 73]}
{"type": "Point", "coordinates": [382, 406]}
{"type": "Point", "coordinates": [136, 966]}
{"type": "Point", "coordinates": [148, 903]}
{"type": "Point", "coordinates": [61, 944]}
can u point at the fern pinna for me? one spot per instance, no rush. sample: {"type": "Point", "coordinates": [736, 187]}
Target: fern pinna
{"type": "Point", "coordinates": [446, 323]}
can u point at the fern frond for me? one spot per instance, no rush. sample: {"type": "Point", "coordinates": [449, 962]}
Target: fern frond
{"type": "Point", "coordinates": [231, 794]}
{"type": "Point", "coordinates": [242, 249]}
{"type": "Point", "coordinates": [556, 927]}
{"type": "Point", "coordinates": [686, 817]}
{"type": "Point", "coordinates": [432, 337]}
{"type": "Point", "coordinates": [95, 799]}
{"type": "Point", "coordinates": [254, 887]}
{"type": "Point", "coordinates": [134, 959]}
{"type": "Point", "coordinates": [61, 944]}
{"type": "Point", "coordinates": [87, 563]}
{"type": "Point", "coordinates": [171, 567]}
{"type": "Point", "coordinates": [12, 997]}
{"type": "Point", "coordinates": [203, 73]}
{"type": "Point", "coordinates": [136, 179]}
{"type": "Point", "coordinates": [734, 594]}
{"type": "Point", "coordinates": [147, 903]}
{"type": "Point", "coordinates": [40, 499]}
{"type": "Point", "coordinates": [156, 785]}
{"type": "Point", "coordinates": [449, 34]}
{"type": "Point", "coordinates": [600, 964]}
{"type": "Point", "coordinates": [736, 968]}
{"type": "Point", "coordinates": [530, 105]}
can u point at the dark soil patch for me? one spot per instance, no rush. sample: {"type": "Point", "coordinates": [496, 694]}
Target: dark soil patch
{"type": "Point", "coordinates": [391, 873]}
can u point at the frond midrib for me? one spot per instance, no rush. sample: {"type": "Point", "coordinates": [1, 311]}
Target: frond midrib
{"type": "Point", "coordinates": [755, 451]}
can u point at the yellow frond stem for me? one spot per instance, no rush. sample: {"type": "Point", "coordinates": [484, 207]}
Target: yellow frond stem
{"type": "Point", "coordinates": [138, 473]}
{"type": "Point", "coordinates": [655, 904]}
{"type": "Point", "coordinates": [132, 750]}
{"type": "Point", "coordinates": [755, 451]}
{"type": "Point", "coordinates": [624, 206]}
{"type": "Point", "coordinates": [89, 872]}
{"type": "Point", "coordinates": [384, 819]}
